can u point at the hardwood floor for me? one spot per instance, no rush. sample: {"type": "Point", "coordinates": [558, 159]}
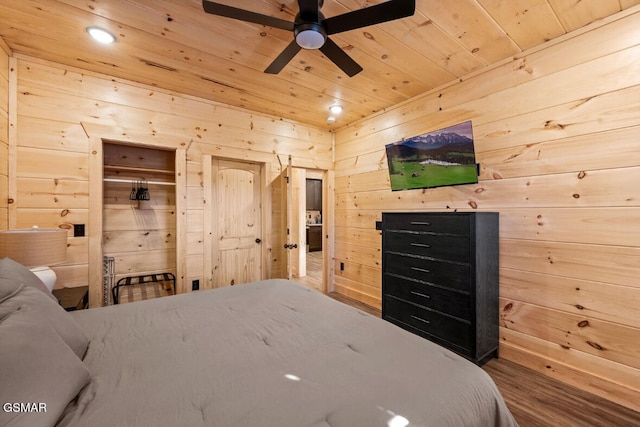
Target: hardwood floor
{"type": "Point", "coordinates": [314, 271]}
{"type": "Point", "coordinates": [536, 400]}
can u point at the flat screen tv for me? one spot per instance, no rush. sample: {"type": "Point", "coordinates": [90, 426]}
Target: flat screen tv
{"type": "Point", "coordinates": [434, 159]}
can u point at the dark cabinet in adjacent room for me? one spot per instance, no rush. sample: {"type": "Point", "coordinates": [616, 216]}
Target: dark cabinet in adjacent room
{"type": "Point", "coordinates": [314, 237]}
{"type": "Point", "coordinates": [314, 194]}
{"type": "Point", "coordinates": [440, 279]}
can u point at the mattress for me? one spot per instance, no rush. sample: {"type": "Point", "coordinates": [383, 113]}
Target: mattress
{"type": "Point", "coordinates": [271, 353]}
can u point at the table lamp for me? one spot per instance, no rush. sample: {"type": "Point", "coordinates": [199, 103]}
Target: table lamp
{"type": "Point", "coordinates": [36, 249]}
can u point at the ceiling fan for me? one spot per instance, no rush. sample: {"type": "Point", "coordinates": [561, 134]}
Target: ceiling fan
{"type": "Point", "coordinates": [311, 29]}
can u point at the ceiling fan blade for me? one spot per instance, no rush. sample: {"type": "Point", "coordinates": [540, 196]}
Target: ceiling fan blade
{"type": "Point", "coordinates": [309, 9]}
{"type": "Point", "coordinates": [283, 59]}
{"type": "Point", "coordinates": [340, 58]}
{"type": "Point", "coordinates": [245, 15]}
{"type": "Point", "coordinates": [383, 12]}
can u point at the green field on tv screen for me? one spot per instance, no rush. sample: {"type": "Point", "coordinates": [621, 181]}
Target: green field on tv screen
{"type": "Point", "coordinates": [409, 175]}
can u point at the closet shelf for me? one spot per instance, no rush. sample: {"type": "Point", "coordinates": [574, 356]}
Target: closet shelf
{"type": "Point", "coordinates": [128, 181]}
{"type": "Point", "coordinates": [137, 169]}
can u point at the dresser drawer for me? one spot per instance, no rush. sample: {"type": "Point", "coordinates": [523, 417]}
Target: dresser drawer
{"type": "Point", "coordinates": [453, 248]}
{"type": "Point", "coordinates": [445, 328]}
{"type": "Point", "coordinates": [440, 223]}
{"type": "Point", "coordinates": [441, 273]}
{"type": "Point", "coordinates": [443, 300]}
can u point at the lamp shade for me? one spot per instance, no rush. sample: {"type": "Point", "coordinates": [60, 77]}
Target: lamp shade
{"type": "Point", "coordinates": [34, 247]}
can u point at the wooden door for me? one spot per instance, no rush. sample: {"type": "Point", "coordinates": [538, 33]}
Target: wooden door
{"type": "Point", "coordinates": [289, 218]}
{"type": "Point", "coordinates": [298, 223]}
{"type": "Point", "coordinates": [237, 234]}
{"type": "Point", "coordinates": [295, 246]}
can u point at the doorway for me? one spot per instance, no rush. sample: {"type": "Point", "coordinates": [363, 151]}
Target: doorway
{"type": "Point", "coordinates": [307, 225]}
{"type": "Point", "coordinates": [314, 235]}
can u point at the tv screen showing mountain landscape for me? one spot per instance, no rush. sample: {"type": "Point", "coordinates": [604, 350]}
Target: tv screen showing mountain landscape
{"type": "Point", "coordinates": [434, 159]}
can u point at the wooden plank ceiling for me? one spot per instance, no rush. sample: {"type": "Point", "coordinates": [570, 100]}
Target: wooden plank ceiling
{"type": "Point", "coordinates": [175, 45]}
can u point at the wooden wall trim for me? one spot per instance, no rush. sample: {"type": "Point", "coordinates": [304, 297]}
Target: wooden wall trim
{"type": "Point", "coordinates": [4, 138]}
{"type": "Point", "coordinates": [13, 143]}
{"type": "Point", "coordinates": [267, 220]}
{"type": "Point", "coordinates": [328, 229]}
{"type": "Point", "coordinates": [95, 220]}
{"type": "Point", "coordinates": [181, 220]}
{"type": "Point", "coordinates": [208, 222]}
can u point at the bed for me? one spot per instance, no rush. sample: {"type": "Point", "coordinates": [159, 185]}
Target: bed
{"type": "Point", "coordinates": [269, 353]}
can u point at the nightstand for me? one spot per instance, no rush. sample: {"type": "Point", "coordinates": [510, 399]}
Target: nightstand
{"type": "Point", "coordinates": [71, 299]}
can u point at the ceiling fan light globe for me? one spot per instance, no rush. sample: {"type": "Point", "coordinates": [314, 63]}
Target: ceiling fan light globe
{"type": "Point", "coordinates": [310, 39]}
{"type": "Point", "coordinates": [310, 35]}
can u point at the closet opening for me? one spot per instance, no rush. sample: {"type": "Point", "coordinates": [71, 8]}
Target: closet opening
{"type": "Point", "coordinates": [139, 223]}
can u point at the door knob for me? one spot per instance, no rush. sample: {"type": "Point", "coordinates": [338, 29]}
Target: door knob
{"type": "Point", "coordinates": [258, 240]}
{"type": "Point", "coordinates": [286, 246]}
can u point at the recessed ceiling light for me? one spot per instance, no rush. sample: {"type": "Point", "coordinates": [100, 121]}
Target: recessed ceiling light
{"type": "Point", "coordinates": [336, 109]}
{"type": "Point", "coordinates": [100, 35]}
{"type": "Point", "coordinates": [331, 119]}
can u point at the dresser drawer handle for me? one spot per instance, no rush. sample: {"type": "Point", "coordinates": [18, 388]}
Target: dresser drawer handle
{"type": "Point", "coordinates": [424, 270]}
{"type": "Point", "coordinates": [422, 320]}
{"type": "Point", "coordinates": [420, 294]}
{"type": "Point", "coordinates": [420, 223]}
{"type": "Point", "coordinates": [421, 245]}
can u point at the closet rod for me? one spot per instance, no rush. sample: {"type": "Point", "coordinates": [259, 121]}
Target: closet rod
{"type": "Point", "coordinates": [129, 181]}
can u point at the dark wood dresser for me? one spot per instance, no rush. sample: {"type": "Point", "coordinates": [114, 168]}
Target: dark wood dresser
{"type": "Point", "coordinates": [440, 279]}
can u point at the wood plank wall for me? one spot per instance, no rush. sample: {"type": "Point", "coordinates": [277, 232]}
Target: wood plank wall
{"type": "Point", "coordinates": [4, 134]}
{"type": "Point", "coordinates": [557, 133]}
{"type": "Point", "coordinates": [61, 109]}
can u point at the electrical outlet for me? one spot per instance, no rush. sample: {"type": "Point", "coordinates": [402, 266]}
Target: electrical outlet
{"type": "Point", "coordinates": [78, 230]}
{"type": "Point", "coordinates": [195, 285]}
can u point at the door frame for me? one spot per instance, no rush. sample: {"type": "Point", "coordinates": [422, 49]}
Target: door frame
{"type": "Point", "coordinates": [328, 215]}
{"type": "Point", "coordinates": [96, 206]}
